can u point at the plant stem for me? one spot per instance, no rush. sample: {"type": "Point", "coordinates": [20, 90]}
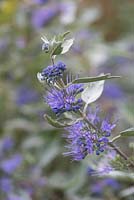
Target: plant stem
{"type": "Point", "coordinates": [122, 154]}
{"type": "Point", "coordinates": [52, 59]}
{"type": "Point", "coordinates": [115, 138]}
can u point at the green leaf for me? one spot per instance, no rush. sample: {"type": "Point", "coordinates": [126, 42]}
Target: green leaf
{"type": "Point", "coordinates": [57, 50]}
{"type": "Point", "coordinates": [94, 79]}
{"type": "Point", "coordinates": [58, 124]}
{"type": "Point", "coordinates": [49, 154]}
{"type": "Point", "coordinates": [65, 34]}
{"type": "Point", "coordinates": [127, 133]}
{"type": "Point", "coordinates": [62, 36]}
{"type": "Point", "coordinates": [120, 175]}
{"type": "Point", "coordinates": [63, 181]}
{"type": "Point", "coordinates": [61, 45]}
{"type": "Point", "coordinates": [53, 122]}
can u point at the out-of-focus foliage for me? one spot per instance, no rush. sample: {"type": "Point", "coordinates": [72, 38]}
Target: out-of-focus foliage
{"type": "Point", "coordinates": [31, 162]}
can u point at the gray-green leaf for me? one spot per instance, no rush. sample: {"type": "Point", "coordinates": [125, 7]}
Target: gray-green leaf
{"type": "Point", "coordinates": [127, 132]}
{"type": "Point", "coordinates": [65, 34]}
{"type": "Point", "coordinates": [94, 79]}
{"type": "Point", "coordinates": [54, 122]}
{"type": "Point", "coordinates": [62, 36]}
{"type": "Point", "coordinates": [57, 50]}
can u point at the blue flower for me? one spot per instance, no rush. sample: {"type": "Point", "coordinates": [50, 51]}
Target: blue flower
{"type": "Point", "coordinates": [26, 95]}
{"type": "Point", "coordinates": [40, 1]}
{"type": "Point", "coordinates": [11, 164]}
{"type": "Point", "coordinates": [6, 184]}
{"type": "Point", "coordinates": [113, 91]}
{"type": "Point", "coordinates": [65, 100]}
{"type": "Point", "coordinates": [83, 139]}
{"type": "Point", "coordinates": [80, 141]}
{"type": "Point", "coordinates": [43, 16]}
{"type": "Point", "coordinates": [7, 144]}
{"type": "Point", "coordinates": [53, 72]}
{"type": "Point", "coordinates": [103, 185]}
{"type": "Point", "coordinates": [15, 197]}
{"type": "Point", "coordinates": [106, 127]}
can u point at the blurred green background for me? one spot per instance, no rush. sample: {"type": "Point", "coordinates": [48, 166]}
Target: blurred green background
{"type": "Point", "coordinates": [104, 42]}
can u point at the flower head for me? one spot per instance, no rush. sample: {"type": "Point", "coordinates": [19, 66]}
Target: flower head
{"type": "Point", "coordinates": [10, 165]}
{"type": "Point", "coordinates": [5, 184]}
{"type": "Point", "coordinates": [40, 1]}
{"type": "Point", "coordinates": [106, 127]}
{"type": "Point", "coordinates": [84, 140]}
{"type": "Point", "coordinates": [52, 73]}
{"type": "Point", "coordinates": [65, 100]}
{"type": "Point", "coordinates": [80, 141]}
{"type": "Point", "coordinates": [7, 144]}
{"type": "Point", "coordinates": [43, 16]}
{"type": "Point", "coordinates": [26, 95]}
{"type": "Point", "coordinates": [13, 196]}
{"type": "Point", "coordinates": [113, 91]}
{"type": "Point", "coordinates": [100, 186]}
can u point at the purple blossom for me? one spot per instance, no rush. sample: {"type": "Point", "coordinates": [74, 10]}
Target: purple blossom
{"type": "Point", "coordinates": [11, 164]}
{"type": "Point", "coordinates": [65, 100]}
{"type": "Point", "coordinates": [21, 42]}
{"type": "Point", "coordinates": [53, 72]}
{"type": "Point", "coordinates": [99, 187]}
{"type": "Point", "coordinates": [3, 44]}
{"type": "Point", "coordinates": [113, 91]}
{"type": "Point", "coordinates": [44, 15]}
{"type": "Point", "coordinates": [106, 127]}
{"type": "Point", "coordinates": [83, 139]}
{"type": "Point", "coordinates": [26, 95]}
{"type": "Point", "coordinates": [40, 1]}
{"type": "Point", "coordinates": [94, 117]}
{"type": "Point", "coordinates": [115, 63]}
{"type": "Point", "coordinates": [81, 40]}
{"type": "Point", "coordinates": [6, 184]}
{"type": "Point", "coordinates": [80, 141]}
{"type": "Point", "coordinates": [15, 197]}
{"type": "Point", "coordinates": [7, 143]}
{"type": "Point", "coordinates": [103, 125]}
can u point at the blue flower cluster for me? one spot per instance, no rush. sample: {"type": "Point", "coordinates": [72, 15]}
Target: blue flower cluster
{"type": "Point", "coordinates": [83, 139]}
{"type": "Point", "coordinates": [31, 96]}
{"type": "Point", "coordinates": [65, 100]}
{"type": "Point", "coordinates": [42, 16]}
{"type": "Point", "coordinates": [53, 72]}
{"type": "Point", "coordinates": [104, 184]}
{"type": "Point", "coordinates": [90, 133]}
{"type": "Point", "coordinates": [8, 165]}
{"type": "Point", "coordinates": [10, 162]}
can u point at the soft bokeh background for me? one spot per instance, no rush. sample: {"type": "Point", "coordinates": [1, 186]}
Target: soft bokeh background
{"type": "Point", "coordinates": [32, 166]}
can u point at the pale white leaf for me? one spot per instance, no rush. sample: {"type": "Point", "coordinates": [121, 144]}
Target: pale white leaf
{"type": "Point", "coordinates": [66, 45]}
{"type": "Point", "coordinates": [93, 91]}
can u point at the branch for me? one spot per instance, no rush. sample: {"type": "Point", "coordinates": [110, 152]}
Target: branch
{"type": "Point", "coordinates": [122, 154]}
